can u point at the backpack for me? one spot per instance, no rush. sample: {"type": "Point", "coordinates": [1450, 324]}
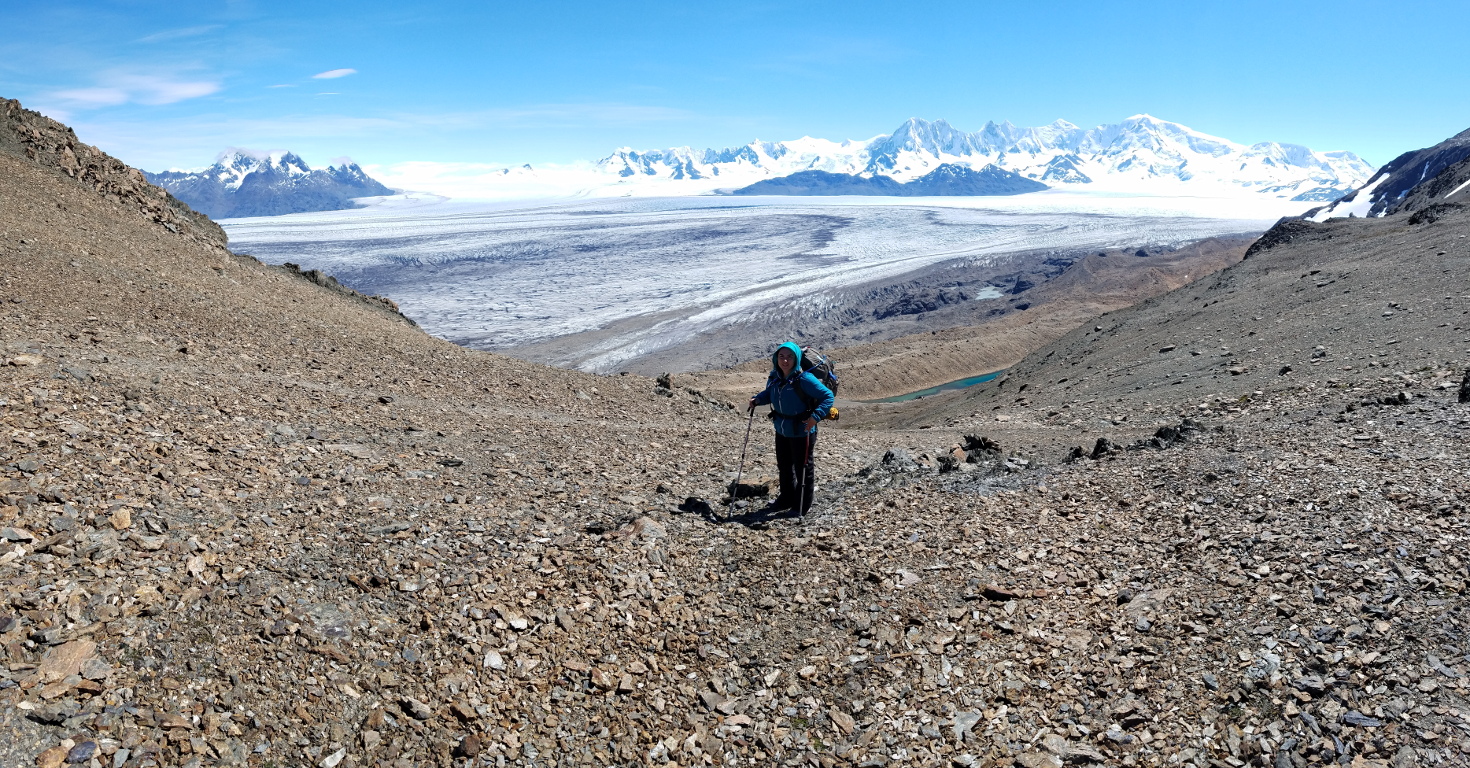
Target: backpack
{"type": "Point", "coordinates": [822, 368]}
{"type": "Point", "coordinates": [814, 363]}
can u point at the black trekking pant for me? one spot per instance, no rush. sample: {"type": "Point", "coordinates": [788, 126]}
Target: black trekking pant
{"type": "Point", "coordinates": [798, 473]}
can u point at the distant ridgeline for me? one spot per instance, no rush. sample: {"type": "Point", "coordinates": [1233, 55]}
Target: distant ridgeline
{"type": "Point", "coordinates": [945, 181]}
{"type": "Point", "coordinates": [245, 183]}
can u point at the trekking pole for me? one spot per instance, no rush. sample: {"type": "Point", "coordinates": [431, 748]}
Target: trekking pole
{"type": "Point", "coordinates": [734, 489]}
{"type": "Point", "coordinates": [802, 484]}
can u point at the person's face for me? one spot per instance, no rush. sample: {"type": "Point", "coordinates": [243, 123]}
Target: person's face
{"type": "Point", "coordinates": [786, 360]}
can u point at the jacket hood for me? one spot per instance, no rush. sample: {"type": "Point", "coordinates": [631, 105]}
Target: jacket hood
{"type": "Point", "coordinates": [791, 345]}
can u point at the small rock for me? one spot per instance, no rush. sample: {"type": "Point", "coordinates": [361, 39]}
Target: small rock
{"type": "Point", "coordinates": [54, 757]}
{"type": "Point", "coordinates": [17, 534]}
{"type": "Point", "coordinates": [1038, 760]}
{"type": "Point", "coordinates": [1311, 684]}
{"type": "Point", "coordinates": [122, 519]}
{"type": "Point", "coordinates": [964, 722]}
{"type": "Point", "coordinates": [469, 746]}
{"type": "Point", "coordinates": [416, 709]}
{"type": "Point", "coordinates": [95, 669]}
{"type": "Point", "coordinates": [647, 528]}
{"type": "Point", "coordinates": [65, 660]}
{"type": "Point", "coordinates": [331, 761]}
{"type": "Point", "coordinates": [464, 711]}
{"type": "Point", "coordinates": [604, 680]}
{"type": "Point", "coordinates": [998, 594]}
{"type": "Point", "coordinates": [842, 720]}
{"type": "Point", "coordinates": [82, 752]}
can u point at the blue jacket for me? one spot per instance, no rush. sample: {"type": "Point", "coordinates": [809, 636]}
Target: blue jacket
{"type": "Point", "coordinates": [793, 398]}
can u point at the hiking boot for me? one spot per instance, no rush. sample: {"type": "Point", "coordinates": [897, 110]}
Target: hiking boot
{"type": "Point", "coordinates": [778, 506]}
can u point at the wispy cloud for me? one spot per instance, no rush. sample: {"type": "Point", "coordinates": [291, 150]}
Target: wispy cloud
{"type": "Point", "coordinates": [333, 74]}
{"type": "Point", "coordinates": [114, 89]}
{"type": "Point", "coordinates": [180, 142]}
{"type": "Point", "coordinates": [176, 34]}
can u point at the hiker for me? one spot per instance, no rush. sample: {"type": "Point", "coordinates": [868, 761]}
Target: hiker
{"type": "Point", "coordinates": [798, 401]}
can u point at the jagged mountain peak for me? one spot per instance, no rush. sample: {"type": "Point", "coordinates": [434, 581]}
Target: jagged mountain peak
{"type": "Point", "coordinates": [247, 182]}
{"type": "Point", "coordinates": [278, 158]}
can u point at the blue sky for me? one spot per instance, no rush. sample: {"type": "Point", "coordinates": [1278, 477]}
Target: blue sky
{"type": "Point", "coordinates": [170, 84]}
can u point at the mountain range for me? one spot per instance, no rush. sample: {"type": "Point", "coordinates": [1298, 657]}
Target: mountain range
{"type": "Point", "coordinates": [1142, 154]}
{"type": "Point", "coordinates": [244, 183]}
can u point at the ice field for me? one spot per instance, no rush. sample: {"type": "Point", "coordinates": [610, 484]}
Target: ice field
{"type": "Point", "coordinates": [650, 272]}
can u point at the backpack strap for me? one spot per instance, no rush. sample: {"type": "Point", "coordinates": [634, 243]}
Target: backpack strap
{"type": "Point", "coordinates": [795, 382]}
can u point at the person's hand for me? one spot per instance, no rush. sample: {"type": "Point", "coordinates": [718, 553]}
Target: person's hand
{"type": "Point", "coordinates": [811, 423]}
{"type": "Point", "coordinates": [750, 407]}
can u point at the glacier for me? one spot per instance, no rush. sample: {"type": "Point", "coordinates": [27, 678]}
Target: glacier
{"type": "Point", "coordinates": [603, 284]}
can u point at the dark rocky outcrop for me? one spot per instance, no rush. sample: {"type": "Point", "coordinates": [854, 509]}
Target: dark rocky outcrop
{"type": "Point", "coordinates": [948, 180]}
{"type": "Point", "coordinates": [1414, 179]}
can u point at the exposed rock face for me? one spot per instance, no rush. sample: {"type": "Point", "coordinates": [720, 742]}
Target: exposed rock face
{"type": "Point", "coordinates": [1408, 182]}
{"type": "Point", "coordinates": [945, 181]}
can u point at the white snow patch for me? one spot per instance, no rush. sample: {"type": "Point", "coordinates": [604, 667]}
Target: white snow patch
{"type": "Point", "coordinates": [1359, 206]}
{"type": "Point", "coordinates": [1457, 189]}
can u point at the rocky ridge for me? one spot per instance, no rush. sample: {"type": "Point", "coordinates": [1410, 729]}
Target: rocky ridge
{"type": "Point", "coordinates": [1408, 182]}
{"type": "Point", "coordinates": [249, 521]}
{"type": "Point", "coordinates": [50, 144]}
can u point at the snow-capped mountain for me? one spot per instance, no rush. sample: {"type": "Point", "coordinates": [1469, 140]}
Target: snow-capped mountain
{"type": "Point", "coordinates": [1141, 154]}
{"type": "Point", "coordinates": [246, 183]}
{"type": "Point", "coordinates": [1408, 182]}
